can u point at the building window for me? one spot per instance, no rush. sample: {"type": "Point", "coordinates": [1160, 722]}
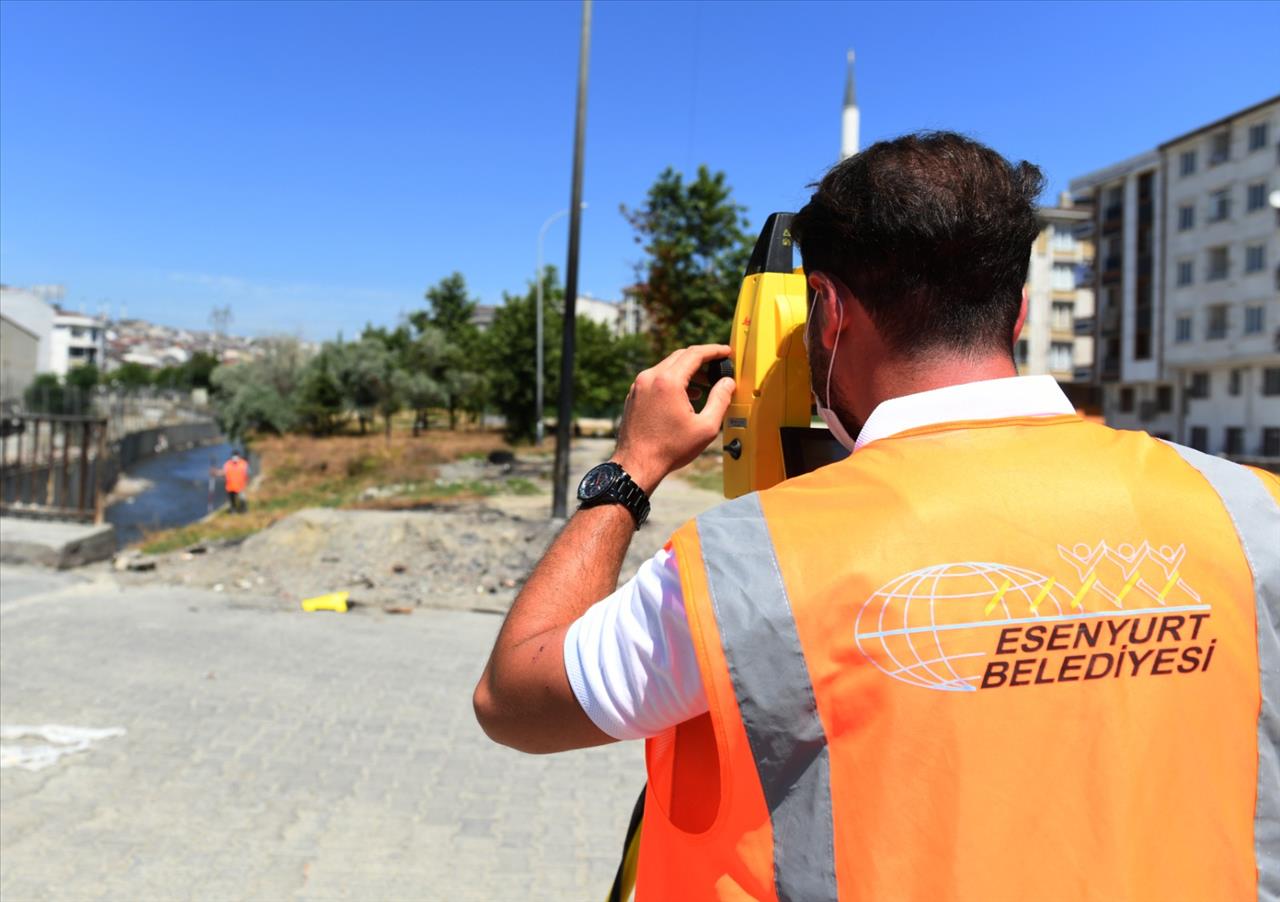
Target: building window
{"type": "Point", "coordinates": [1200, 438]}
{"type": "Point", "coordinates": [1182, 329]}
{"type": "Point", "coordinates": [1060, 356]}
{"type": "Point", "coordinates": [1271, 441]}
{"type": "Point", "coordinates": [1257, 136]}
{"type": "Point", "coordinates": [1187, 162]}
{"type": "Point", "coordinates": [1186, 217]}
{"type": "Point", "coordinates": [1063, 238]}
{"type": "Point", "coordinates": [1164, 398]}
{"type": "Point", "coordinates": [1199, 387]}
{"type": "Point", "coordinates": [1217, 322]}
{"type": "Point", "coordinates": [1235, 440]}
{"type": "Point", "coordinates": [1063, 277]}
{"type": "Point", "coordinates": [1234, 381]}
{"type": "Point", "coordinates": [1253, 319]}
{"type": "Point", "coordinates": [1115, 198]}
{"type": "Point", "coordinates": [1220, 205]}
{"type": "Point", "coordinates": [1126, 400]}
{"type": "Point", "coordinates": [1218, 264]}
{"type": "Point", "coordinates": [1020, 352]}
{"type": "Point", "coordinates": [1220, 148]}
{"type": "Point", "coordinates": [1064, 314]}
{"type": "Point", "coordinates": [1256, 197]}
{"type": "Point", "coordinates": [1186, 270]}
{"type": "Point", "coordinates": [1255, 258]}
{"type": "Point", "coordinates": [1271, 381]}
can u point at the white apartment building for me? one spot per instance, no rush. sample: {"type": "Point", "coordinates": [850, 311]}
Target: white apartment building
{"type": "Point", "coordinates": [1057, 336]}
{"type": "Point", "coordinates": [1188, 293]}
{"type": "Point", "coordinates": [77, 340]}
{"type": "Point", "coordinates": [625, 317]}
{"type": "Point", "coordinates": [1222, 283]}
{"type": "Point", "coordinates": [30, 311]}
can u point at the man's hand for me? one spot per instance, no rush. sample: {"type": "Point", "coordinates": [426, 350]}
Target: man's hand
{"type": "Point", "coordinates": [660, 432]}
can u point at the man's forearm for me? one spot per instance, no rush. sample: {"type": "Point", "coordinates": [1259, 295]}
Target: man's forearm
{"type": "Point", "coordinates": [580, 568]}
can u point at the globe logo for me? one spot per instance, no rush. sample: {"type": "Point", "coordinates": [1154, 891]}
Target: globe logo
{"type": "Point", "coordinates": [934, 626]}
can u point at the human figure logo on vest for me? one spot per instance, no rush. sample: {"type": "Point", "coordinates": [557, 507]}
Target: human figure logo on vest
{"type": "Point", "coordinates": [962, 627]}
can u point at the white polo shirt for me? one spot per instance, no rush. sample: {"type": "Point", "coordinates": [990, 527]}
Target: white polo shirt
{"type": "Point", "coordinates": [629, 657]}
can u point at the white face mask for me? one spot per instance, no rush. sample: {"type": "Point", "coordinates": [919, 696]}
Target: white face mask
{"type": "Point", "coordinates": [828, 415]}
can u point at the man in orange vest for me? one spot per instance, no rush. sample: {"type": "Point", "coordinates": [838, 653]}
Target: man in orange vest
{"type": "Point", "coordinates": [997, 653]}
{"type": "Point", "coordinates": [235, 473]}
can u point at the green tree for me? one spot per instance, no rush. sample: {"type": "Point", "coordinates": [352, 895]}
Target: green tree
{"type": "Point", "coordinates": [131, 376]}
{"type": "Point", "coordinates": [369, 383]}
{"type": "Point", "coordinates": [45, 395]}
{"type": "Point", "coordinates": [420, 393]}
{"type": "Point", "coordinates": [449, 311]}
{"type": "Point", "coordinates": [696, 245]}
{"type": "Point", "coordinates": [604, 366]}
{"type": "Point", "coordinates": [258, 395]}
{"type": "Point", "coordinates": [319, 403]}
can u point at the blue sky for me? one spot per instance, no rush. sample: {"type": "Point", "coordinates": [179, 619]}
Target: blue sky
{"type": "Point", "coordinates": [316, 166]}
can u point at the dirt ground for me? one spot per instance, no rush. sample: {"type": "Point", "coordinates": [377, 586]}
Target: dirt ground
{"type": "Point", "coordinates": [470, 551]}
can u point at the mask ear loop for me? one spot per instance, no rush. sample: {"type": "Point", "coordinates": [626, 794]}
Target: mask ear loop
{"type": "Point", "coordinates": [832, 361]}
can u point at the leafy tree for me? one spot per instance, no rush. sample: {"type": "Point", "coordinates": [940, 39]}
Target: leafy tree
{"type": "Point", "coordinates": [449, 309]}
{"type": "Point", "coordinates": [696, 251]}
{"type": "Point", "coordinates": [84, 377]}
{"type": "Point", "coordinates": [449, 312]}
{"type": "Point", "coordinates": [258, 395]}
{"type": "Point", "coordinates": [319, 403]}
{"type": "Point", "coordinates": [131, 376]}
{"type": "Point", "coordinates": [367, 378]}
{"type": "Point", "coordinates": [198, 371]}
{"type": "Point", "coordinates": [604, 366]}
{"type": "Point", "coordinates": [420, 393]}
{"type": "Point", "coordinates": [45, 395]}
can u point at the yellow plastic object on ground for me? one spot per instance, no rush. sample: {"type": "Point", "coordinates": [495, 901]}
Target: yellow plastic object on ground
{"type": "Point", "coordinates": [334, 601]}
{"type": "Point", "coordinates": [771, 368]}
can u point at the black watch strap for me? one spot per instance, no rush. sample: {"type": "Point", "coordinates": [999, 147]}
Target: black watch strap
{"type": "Point", "coordinates": [632, 497]}
{"type": "Point", "coordinates": [624, 491]}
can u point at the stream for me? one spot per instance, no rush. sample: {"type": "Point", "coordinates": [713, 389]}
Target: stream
{"type": "Point", "coordinates": [178, 494]}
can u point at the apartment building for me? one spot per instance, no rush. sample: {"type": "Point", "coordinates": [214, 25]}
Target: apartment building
{"type": "Point", "coordinates": [1222, 278]}
{"type": "Point", "coordinates": [1187, 332]}
{"type": "Point", "coordinates": [1057, 336]}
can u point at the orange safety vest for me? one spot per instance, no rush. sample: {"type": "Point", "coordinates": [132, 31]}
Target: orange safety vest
{"type": "Point", "coordinates": [1021, 659]}
{"type": "Point", "coordinates": [236, 473]}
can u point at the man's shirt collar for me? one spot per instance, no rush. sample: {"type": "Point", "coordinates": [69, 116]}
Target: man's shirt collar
{"type": "Point", "coordinates": [991, 399]}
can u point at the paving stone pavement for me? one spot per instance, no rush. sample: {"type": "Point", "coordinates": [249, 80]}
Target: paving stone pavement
{"type": "Point", "coordinates": [281, 755]}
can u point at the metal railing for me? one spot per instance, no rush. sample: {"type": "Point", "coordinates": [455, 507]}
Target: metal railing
{"type": "Point", "coordinates": [53, 466]}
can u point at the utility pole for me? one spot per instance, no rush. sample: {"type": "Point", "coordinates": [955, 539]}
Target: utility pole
{"type": "Point", "coordinates": [560, 500]}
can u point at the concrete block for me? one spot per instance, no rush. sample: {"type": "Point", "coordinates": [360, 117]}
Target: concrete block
{"type": "Point", "coordinates": [54, 543]}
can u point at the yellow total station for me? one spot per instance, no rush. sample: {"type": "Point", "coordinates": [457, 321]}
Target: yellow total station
{"type": "Point", "coordinates": [767, 431]}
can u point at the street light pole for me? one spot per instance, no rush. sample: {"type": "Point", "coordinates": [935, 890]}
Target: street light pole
{"type": "Point", "coordinates": [560, 475]}
{"type": "Point", "coordinates": [542, 233]}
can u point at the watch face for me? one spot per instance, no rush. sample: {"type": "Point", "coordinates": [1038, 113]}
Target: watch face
{"type": "Point", "coordinates": [597, 481]}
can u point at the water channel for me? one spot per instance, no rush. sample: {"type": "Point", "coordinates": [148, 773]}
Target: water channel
{"type": "Point", "coordinates": [178, 493]}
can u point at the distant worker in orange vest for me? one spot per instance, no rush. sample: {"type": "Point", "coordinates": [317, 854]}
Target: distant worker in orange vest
{"type": "Point", "coordinates": [999, 652]}
{"type": "Point", "coordinates": [235, 473]}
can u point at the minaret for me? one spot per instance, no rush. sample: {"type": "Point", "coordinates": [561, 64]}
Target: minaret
{"type": "Point", "coordinates": [850, 122]}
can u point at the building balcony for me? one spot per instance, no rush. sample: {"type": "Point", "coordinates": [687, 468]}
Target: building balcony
{"type": "Point", "coordinates": [1084, 325]}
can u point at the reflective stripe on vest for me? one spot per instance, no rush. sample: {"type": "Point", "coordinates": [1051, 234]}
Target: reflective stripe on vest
{"type": "Point", "coordinates": [774, 694]}
{"type": "Point", "coordinates": [1256, 517]}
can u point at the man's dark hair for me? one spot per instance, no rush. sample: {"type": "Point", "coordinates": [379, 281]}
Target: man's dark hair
{"type": "Point", "coordinates": [932, 233]}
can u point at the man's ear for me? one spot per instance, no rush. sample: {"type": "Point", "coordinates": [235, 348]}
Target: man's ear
{"type": "Point", "coordinates": [832, 319]}
{"type": "Point", "coordinates": [1022, 318]}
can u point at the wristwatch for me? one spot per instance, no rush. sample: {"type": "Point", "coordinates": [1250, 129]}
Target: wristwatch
{"type": "Point", "coordinates": [608, 483]}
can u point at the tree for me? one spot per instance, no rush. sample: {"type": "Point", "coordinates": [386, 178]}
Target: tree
{"type": "Point", "coordinates": [449, 312]}
{"type": "Point", "coordinates": [604, 366]}
{"type": "Point", "coordinates": [130, 376]}
{"type": "Point", "coordinates": [319, 404]}
{"type": "Point", "coordinates": [368, 381]}
{"type": "Point", "coordinates": [45, 395]}
{"type": "Point", "coordinates": [420, 393]}
{"type": "Point", "coordinates": [258, 395]}
{"type": "Point", "coordinates": [697, 249]}
{"type": "Point", "coordinates": [449, 309]}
